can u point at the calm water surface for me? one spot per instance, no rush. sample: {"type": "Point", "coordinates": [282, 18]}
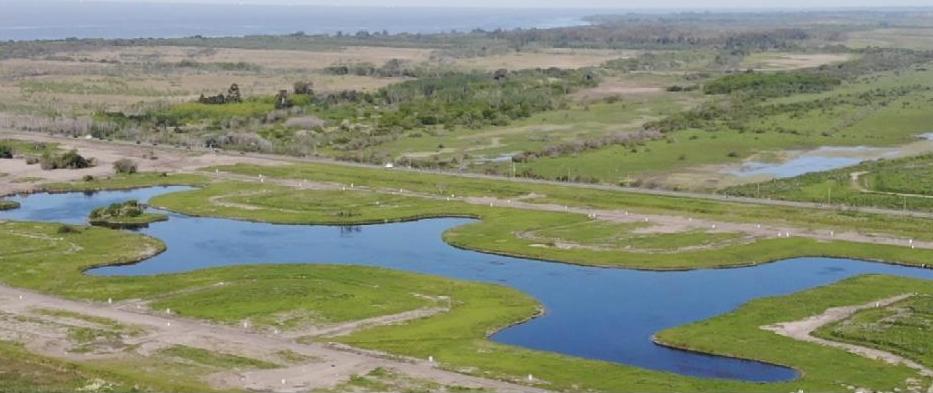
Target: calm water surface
{"type": "Point", "coordinates": [57, 19]}
{"type": "Point", "coordinates": [605, 314]}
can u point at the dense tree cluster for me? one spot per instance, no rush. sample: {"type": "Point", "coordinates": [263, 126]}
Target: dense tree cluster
{"type": "Point", "coordinates": [628, 139]}
{"type": "Point", "coordinates": [771, 84]}
{"type": "Point", "coordinates": [393, 68]}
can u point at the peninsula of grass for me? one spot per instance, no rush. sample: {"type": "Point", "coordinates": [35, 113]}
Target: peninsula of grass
{"type": "Point", "coordinates": [736, 334]}
{"type": "Point", "coordinates": [43, 258]}
{"type": "Point", "coordinates": [129, 214]}
{"type": "Point", "coordinates": [443, 185]}
{"type": "Point", "coordinates": [902, 328]}
{"type": "Point", "coordinates": [126, 181]}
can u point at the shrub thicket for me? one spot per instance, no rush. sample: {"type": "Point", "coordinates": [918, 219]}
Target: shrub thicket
{"type": "Point", "coordinates": [67, 160]}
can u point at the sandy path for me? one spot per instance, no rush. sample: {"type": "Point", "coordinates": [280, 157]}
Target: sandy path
{"type": "Point", "coordinates": [350, 327]}
{"type": "Point", "coordinates": [802, 330]}
{"type": "Point", "coordinates": [332, 365]}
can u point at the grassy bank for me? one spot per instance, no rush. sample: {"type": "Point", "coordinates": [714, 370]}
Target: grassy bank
{"type": "Point", "coordinates": [46, 258]}
{"type": "Point", "coordinates": [126, 182]}
{"type": "Point", "coordinates": [734, 334]}
{"type": "Point", "coordinates": [445, 185]}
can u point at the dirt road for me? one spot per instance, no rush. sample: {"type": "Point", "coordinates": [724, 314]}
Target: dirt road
{"type": "Point", "coordinates": [330, 366]}
{"type": "Point", "coordinates": [181, 159]}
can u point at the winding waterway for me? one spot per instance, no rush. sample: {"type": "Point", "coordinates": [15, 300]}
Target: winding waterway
{"type": "Point", "coordinates": [596, 313]}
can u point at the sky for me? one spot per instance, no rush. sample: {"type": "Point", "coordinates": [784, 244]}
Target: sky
{"type": "Point", "coordinates": [620, 4]}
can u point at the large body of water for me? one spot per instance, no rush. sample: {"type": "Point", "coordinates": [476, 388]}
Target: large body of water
{"type": "Point", "coordinates": [56, 19]}
{"type": "Point", "coordinates": [596, 313]}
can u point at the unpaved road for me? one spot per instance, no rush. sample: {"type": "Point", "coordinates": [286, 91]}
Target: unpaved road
{"type": "Point", "coordinates": [19, 176]}
{"type": "Point", "coordinates": [802, 330]}
{"type": "Point", "coordinates": [331, 365]}
{"type": "Point", "coordinates": [188, 160]}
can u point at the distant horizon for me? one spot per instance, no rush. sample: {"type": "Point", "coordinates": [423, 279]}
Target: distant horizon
{"type": "Point", "coordinates": [58, 19]}
{"type": "Point", "coordinates": [603, 5]}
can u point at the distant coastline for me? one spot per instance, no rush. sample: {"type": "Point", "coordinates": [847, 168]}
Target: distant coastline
{"type": "Point", "coordinates": [23, 21]}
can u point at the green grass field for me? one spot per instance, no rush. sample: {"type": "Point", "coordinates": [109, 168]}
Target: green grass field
{"type": "Point", "coordinates": [127, 181]}
{"type": "Point", "coordinates": [903, 328]}
{"type": "Point", "coordinates": [850, 115]}
{"type": "Point", "coordinates": [27, 148]}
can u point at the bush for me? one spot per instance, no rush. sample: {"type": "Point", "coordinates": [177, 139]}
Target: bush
{"type": "Point", "coordinates": [118, 210]}
{"type": "Point", "coordinates": [69, 160]}
{"type": "Point", "coordinates": [66, 229]}
{"type": "Point", "coordinates": [6, 151]}
{"type": "Point", "coordinates": [772, 84]}
{"type": "Point", "coordinates": [124, 166]}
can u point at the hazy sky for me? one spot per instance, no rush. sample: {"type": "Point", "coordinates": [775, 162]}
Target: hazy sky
{"type": "Point", "coordinates": [623, 4]}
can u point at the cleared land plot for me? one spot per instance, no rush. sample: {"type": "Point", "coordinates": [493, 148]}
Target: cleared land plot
{"type": "Point", "coordinates": [545, 58]}
{"type": "Point", "coordinates": [914, 38]}
{"type": "Point", "coordinates": [790, 61]}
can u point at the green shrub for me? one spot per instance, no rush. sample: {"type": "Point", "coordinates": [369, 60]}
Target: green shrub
{"type": "Point", "coordinates": [68, 160]}
{"type": "Point", "coordinates": [66, 229]}
{"type": "Point", "coordinates": [771, 84]}
{"type": "Point", "coordinates": [118, 210]}
{"type": "Point", "coordinates": [125, 166]}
